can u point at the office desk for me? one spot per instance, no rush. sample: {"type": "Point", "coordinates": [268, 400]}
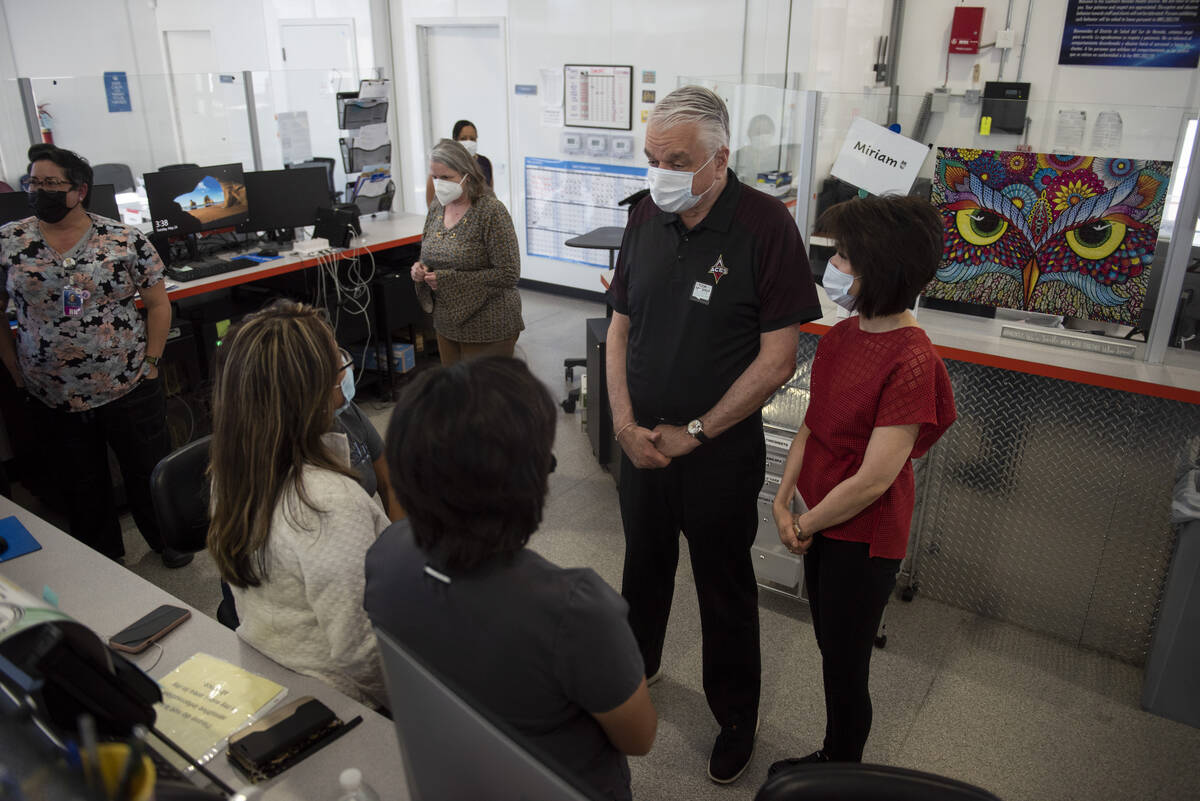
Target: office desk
{"type": "Point", "coordinates": [378, 234]}
{"type": "Point", "coordinates": [106, 597]}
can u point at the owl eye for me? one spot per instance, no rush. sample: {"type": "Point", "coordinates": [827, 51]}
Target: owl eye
{"type": "Point", "coordinates": [1096, 240]}
{"type": "Point", "coordinates": [980, 226]}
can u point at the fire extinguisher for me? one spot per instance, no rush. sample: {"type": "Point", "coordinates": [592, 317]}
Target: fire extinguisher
{"type": "Point", "coordinates": [44, 118]}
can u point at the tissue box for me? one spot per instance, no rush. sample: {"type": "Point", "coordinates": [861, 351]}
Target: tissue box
{"type": "Point", "coordinates": [403, 355]}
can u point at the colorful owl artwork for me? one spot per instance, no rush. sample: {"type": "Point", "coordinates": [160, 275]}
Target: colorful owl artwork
{"type": "Point", "coordinates": [1059, 234]}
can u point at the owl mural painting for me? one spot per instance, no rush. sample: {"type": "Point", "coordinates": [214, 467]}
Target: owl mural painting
{"type": "Point", "coordinates": [1059, 234]}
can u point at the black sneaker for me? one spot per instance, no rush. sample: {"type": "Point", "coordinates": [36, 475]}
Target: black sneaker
{"type": "Point", "coordinates": [731, 753]}
{"type": "Point", "coordinates": [787, 764]}
{"type": "Point", "coordinates": [172, 558]}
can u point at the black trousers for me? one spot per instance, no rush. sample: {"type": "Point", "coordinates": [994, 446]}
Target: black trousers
{"type": "Point", "coordinates": [710, 495]}
{"type": "Point", "coordinates": [135, 426]}
{"type": "Point", "coordinates": [847, 591]}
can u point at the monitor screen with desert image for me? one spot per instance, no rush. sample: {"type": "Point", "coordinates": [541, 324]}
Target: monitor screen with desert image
{"type": "Point", "coordinates": [195, 199]}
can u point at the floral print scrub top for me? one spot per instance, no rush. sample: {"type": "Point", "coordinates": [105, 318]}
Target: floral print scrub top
{"type": "Point", "coordinates": [80, 337]}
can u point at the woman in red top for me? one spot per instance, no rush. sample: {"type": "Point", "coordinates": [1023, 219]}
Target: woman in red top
{"type": "Point", "coordinates": [880, 398]}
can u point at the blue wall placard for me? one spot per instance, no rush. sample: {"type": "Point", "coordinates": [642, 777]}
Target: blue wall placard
{"type": "Point", "coordinates": [116, 88]}
{"type": "Point", "coordinates": [525, 89]}
{"type": "Point", "coordinates": [1133, 33]}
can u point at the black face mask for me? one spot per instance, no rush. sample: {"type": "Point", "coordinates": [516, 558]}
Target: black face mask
{"type": "Point", "coordinates": [49, 207]}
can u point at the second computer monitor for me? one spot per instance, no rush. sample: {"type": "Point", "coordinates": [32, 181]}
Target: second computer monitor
{"type": "Point", "coordinates": [284, 199]}
{"type": "Point", "coordinates": [197, 199]}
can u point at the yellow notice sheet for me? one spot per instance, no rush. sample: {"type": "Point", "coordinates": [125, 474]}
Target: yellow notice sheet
{"type": "Point", "coordinates": [207, 699]}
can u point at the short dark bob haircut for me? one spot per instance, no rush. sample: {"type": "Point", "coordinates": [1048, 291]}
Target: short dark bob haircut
{"type": "Point", "coordinates": [75, 167]}
{"type": "Point", "coordinates": [893, 242]}
{"type": "Point", "coordinates": [469, 453]}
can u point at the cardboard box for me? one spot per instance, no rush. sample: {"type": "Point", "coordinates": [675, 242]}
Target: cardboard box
{"type": "Point", "coordinates": [403, 355]}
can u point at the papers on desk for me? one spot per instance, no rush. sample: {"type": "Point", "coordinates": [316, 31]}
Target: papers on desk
{"type": "Point", "coordinates": [206, 699]}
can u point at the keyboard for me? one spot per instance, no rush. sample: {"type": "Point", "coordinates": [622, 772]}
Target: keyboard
{"type": "Point", "coordinates": [204, 269]}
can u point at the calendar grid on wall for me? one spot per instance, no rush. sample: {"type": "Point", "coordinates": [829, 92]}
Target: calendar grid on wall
{"type": "Point", "coordinates": [564, 199]}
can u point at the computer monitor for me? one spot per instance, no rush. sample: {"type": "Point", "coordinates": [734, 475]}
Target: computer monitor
{"type": "Point", "coordinates": [103, 201]}
{"type": "Point", "coordinates": [14, 206]}
{"type": "Point", "coordinates": [284, 199]}
{"type": "Point", "coordinates": [452, 750]}
{"type": "Point", "coordinates": [195, 199]}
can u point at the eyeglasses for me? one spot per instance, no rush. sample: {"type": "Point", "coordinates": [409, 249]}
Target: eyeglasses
{"type": "Point", "coordinates": [53, 184]}
{"type": "Point", "coordinates": [347, 361]}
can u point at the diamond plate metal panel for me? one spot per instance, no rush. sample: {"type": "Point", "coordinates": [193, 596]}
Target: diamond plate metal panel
{"type": "Point", "coordinates": [1048, 506]}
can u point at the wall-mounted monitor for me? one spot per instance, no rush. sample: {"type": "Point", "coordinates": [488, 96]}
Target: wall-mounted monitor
{"type": "Point", "coordinates": [196, 199]}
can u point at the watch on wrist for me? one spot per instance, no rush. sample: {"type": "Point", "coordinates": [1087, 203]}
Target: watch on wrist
{"type": "Point", "coordinates": [696, 429]}
{"type": "Point", "coordinates": [152, 360]}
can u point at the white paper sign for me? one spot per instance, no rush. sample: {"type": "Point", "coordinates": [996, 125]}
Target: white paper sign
{"type": "Point", "coordinates": [878, 160]}
{"type": "Point", "coordinates": [294, 138]}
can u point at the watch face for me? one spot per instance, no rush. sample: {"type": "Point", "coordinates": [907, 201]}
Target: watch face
{"type": "Point", "coordinates": [695, 427]}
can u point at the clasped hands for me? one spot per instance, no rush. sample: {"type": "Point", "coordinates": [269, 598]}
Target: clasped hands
{"type": "Point", "coordinates": [419, 273]}
{"type": "Point", "coordinates": [791, 533]}
{"type": "Point", "coordinates": [655, 448]}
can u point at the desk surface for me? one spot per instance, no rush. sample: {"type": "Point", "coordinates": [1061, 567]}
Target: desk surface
{"type": "Point", "coordinates": [106, 597]}
{"type": "Point", "coordinates": [606, 238]}
{"type": "Point", "coordinates": [977, 339]}
{"type": "Point", "coordinates": [378, 234]}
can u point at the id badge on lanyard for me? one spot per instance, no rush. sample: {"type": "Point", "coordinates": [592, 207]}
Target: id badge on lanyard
{"type": "Point", "coordinates": [73, 296]}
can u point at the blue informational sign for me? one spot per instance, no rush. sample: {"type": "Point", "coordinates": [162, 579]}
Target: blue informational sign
{"type": "Point", "coordinates": [525, 89]}
{"type": "Point", "coordinates": [116, 87]}
{"type": "Point", "coordinates": [1132, 33]}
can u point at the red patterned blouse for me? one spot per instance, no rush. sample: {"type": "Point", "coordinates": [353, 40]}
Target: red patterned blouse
{"type": "Point", "coordinates": [861, 381]}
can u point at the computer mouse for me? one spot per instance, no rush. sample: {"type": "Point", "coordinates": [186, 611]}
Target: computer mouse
{"type": "Point", "coordinates": [268, 252]}
{"type": "Point", "coordinates": [3, 545]}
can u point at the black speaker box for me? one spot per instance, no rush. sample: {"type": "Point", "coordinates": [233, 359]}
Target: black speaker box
{"type": "Point", "coordinates": [338, 224]}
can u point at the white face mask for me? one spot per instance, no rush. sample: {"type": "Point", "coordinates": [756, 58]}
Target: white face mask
{"type": "Point", "coordinates": [447, 191]}
{"type": "Point", "coordinates": [837, 286]}
{"type": "Point", "coordinates": [671, 190]}
{"type": "Point", "coordinates": [470, 144]}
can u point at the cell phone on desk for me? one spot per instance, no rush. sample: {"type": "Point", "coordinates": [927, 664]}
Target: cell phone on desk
{"type": "Point", "coordinates": [135, 638]}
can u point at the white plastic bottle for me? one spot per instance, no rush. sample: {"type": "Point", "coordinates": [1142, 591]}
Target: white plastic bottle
{"type": "Point", "coordinates": [354, 788]}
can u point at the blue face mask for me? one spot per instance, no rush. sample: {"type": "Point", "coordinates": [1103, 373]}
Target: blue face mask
{"type": "Point", "coordinates": [347, 389]}
{"type": "Point", "coordinates": [837, 285]}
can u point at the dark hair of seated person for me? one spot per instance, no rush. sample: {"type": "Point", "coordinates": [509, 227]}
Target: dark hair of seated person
{"type": "Point", "coordinates": [893, 242]}
{"type": "Point", "coordinates": [469, 452]}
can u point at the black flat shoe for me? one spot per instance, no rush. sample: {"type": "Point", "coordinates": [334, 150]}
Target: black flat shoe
{"type": "Point", "coordinates": [788, 764]}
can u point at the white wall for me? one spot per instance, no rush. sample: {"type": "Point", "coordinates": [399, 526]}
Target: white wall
{"type": "Point", "coordinates": [672, 37]}
{"type": "Point", "coordinates": [128, 36]}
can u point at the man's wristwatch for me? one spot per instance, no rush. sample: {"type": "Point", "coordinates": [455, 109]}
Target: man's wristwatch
{"type": "Point", "coordinates": [696, 429]}
{"type": "Point", "coordinates": [152, 360]}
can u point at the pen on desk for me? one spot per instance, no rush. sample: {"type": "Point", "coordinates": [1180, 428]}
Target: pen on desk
{"type": "Point", "coordinates": [91, 754]}
{"type": "Point", "coordinates": [133, 763]}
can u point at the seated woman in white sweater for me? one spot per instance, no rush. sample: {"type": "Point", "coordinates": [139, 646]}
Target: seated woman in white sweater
{"type": "Point", "coordinates": [290, 524]}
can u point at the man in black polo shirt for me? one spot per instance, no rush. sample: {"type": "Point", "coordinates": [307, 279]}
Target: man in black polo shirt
{"type": "Point", "coordinates": [710, 286]}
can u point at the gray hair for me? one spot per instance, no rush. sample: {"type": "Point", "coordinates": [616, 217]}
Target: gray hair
{"type": "Point", "coordinates": [456, 157]}
{"type": "Point", "coordinates": [695, 104]}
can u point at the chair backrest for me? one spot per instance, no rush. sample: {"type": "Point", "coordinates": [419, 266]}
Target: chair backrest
{"type": "Point", "coordinates": [322, 162]}
{"type": "Point", "coordinates": [850, 781]}
{"type": "Point", "coordinates": [180, 491]}
{"type": "Point", "coordinates": [119, 175]}
{"type": "Point", "coordinates": [4, 187]}
{"type": "Point", "coordinates": [450, 749]}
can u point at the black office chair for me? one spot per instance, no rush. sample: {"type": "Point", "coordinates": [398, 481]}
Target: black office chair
{"type": "Point", "coordinates": [322, 162]}
{"type": "Point", "coordinates": [180, 489]}
{"type": "Point", "coordinates": [119, 175]}
{"type": "Point", "coordinates": [184, 166]}
{"type": "Point", "coordinates": [851, 781]}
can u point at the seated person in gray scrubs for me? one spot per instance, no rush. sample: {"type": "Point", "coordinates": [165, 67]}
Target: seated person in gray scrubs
{"type": "Point", "coordinates": [544, 648]}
